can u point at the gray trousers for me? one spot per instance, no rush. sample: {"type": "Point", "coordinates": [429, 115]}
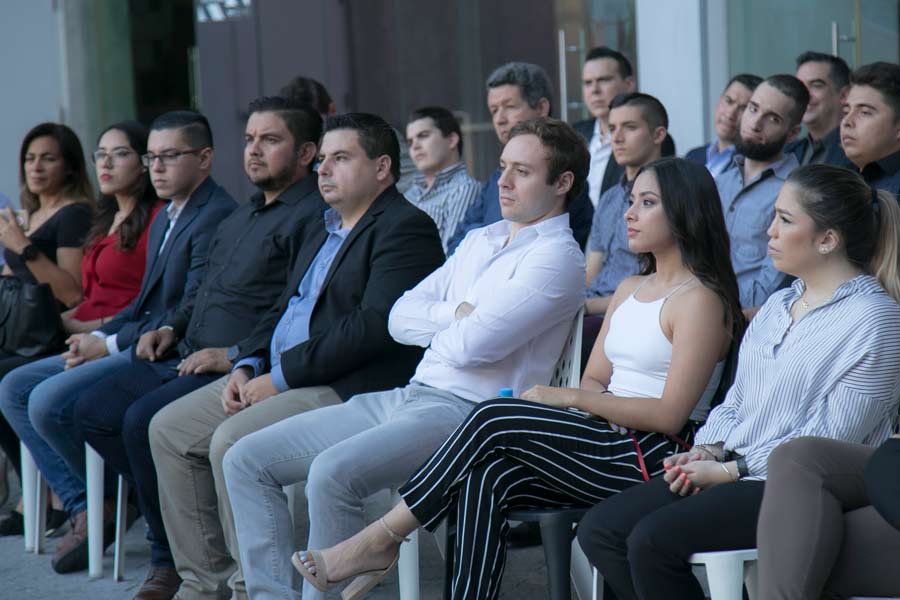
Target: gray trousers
{"type": "Point", "coordinates": [345, 454]}
{"type": "Point", "coordinates": [818, 536]}
{"type": "Point", "coordinates": [188, 439]}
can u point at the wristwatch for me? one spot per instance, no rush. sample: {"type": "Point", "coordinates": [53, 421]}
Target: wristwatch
{"type": "Point", "coordinates": [29, 253]}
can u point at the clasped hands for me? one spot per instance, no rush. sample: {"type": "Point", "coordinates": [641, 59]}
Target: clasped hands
{"type": "Point", "coordinates": [241, 391]}
{"type": "Point", "coordinates": [690, 472]}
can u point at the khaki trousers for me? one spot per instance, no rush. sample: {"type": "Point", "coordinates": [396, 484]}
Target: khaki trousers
{"type": "Point", "coordinates": [188, 439]}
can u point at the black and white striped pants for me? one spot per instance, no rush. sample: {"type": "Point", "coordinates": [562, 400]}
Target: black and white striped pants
{"type": "Point", "coordinates": [515, 454]}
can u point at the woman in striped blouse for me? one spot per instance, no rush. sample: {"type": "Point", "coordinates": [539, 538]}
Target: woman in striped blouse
{"type": "Point", "coordinates": [659, 351]}
{"type": "Point", "coordinates": [821, 358]}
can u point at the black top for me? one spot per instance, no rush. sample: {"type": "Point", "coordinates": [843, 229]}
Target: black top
{"type": "Point", "coordinates": [67, 228]}
{"type": "Point", "coordinates": [884, 173]}
{"type": "Point", "coordinates": [250, 259]}
{"type": "Point", "coordinates": [392, 247]}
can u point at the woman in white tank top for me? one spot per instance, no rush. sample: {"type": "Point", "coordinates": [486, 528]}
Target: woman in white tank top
{"type": "Point", "coordinates": [651, 374]}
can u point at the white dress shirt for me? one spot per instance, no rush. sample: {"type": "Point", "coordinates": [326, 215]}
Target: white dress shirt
{"type": "Point", "coordinates": [525, 295]}
{"type": "Point", "coordinates": [600, 148]}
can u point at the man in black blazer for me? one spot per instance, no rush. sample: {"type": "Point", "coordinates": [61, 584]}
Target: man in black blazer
{"type": "Point", "coordinates": [179, 157]}
{"type": "Point", "coordinates": [249, 261]}
{"type": "Point", "coordinates": [324, 340]}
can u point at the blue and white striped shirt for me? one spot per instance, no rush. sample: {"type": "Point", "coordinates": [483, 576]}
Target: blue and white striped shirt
{"type": "Point", "coordinates": [834, 374]}
{"type": "Point", "coordinates": [447, 200]}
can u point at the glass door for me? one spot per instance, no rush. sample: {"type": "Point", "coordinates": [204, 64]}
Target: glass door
{"type": "Point", "coordinates": [765, 36]}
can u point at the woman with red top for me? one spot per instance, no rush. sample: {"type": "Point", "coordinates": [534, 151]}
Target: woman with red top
{"type": "Point", "coordinates": [114, 255]}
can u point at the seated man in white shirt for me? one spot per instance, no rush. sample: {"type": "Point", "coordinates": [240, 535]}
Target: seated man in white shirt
{"type": "Point", "coordinates": [495, 315]}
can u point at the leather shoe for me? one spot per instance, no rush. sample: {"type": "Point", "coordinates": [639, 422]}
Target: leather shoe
{"type": "Point", "coordinates": [72, 553]}
{"type": "Point", "coordinates": [161, 584]}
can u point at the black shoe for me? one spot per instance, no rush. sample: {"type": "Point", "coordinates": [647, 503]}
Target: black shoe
{"type": "Point", "coordinates": [56, 519]}
{"type": "Point", "coordinates": [13, 524]}
{"type": "Point", "coordinates": [524, 535]}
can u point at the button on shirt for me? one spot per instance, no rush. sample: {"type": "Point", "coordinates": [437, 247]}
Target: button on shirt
{"type": "Point", "coordinates": [447, 200]}
{"type": "Point", "coordinates": [749, 209]}
{"type": "Point", "coordinates": [718, 160]}
{"type": "Point", "coordinates": [609, 235]}
{"type": "Point", "coordinates": [293, 327]}
{"type": "Point", "coordinates": [525, 293]}
{"type": "Point", "coordinates": [834, 373]}
{"type": "Point", "coordinates": [249, 259]}
{"type": "Point", "coordinates": [600, 148]}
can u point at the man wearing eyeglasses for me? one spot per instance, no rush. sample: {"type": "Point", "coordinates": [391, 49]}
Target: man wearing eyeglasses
{"type": "Point", "coordinates": [180, 158]}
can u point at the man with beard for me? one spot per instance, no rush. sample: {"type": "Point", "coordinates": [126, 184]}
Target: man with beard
{"type": "Point", "coordinates": [748, 190]}
{"type": "Point", "coordinates": [246, 270]}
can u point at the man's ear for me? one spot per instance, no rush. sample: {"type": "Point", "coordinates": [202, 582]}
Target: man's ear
{"type": "Point", "coordinates": [543, 107]}
{"type": "Point", "coordinates": [383, 167]}
{"type": "Point", "coordinates": [564, 183]}
{"type": "Point", "coordinates": [307, 152]}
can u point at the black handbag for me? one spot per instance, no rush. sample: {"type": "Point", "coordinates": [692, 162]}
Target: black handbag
{"type": "Point", "coordinates": [29, 318]}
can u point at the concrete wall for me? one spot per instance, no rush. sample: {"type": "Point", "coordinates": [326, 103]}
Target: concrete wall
{"type": "Point", "coordinates": [30, 64]}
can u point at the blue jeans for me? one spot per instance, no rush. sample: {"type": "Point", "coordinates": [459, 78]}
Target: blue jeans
{"type": "Point", "coordinates": [38, 400]}
{"type": "Point", "coordinates": [114, 414]}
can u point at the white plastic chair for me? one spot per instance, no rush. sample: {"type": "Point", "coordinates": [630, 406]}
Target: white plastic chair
{"type": "Point", "coordinates": [94, 475]}
{"type": "Point", "coordinates": [567, 373]}
{"type": "Point", "coordinates": [34, 502]}
{"type": "Point", "coordinates": [727, 572]}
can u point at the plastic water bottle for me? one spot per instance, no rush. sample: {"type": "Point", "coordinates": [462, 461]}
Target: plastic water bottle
{"type": "Point", "coordinates": [505, 393]}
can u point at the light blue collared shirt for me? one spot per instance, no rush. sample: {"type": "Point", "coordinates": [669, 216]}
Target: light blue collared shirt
{"type": "Point", "coordinates": [609, 235]}
{"type": "Point", "coordinates": [749, 208]}
{"type": "Point", "coordinates": [293, 327]}
{"type": "Point", "coordinates": [718, 161]}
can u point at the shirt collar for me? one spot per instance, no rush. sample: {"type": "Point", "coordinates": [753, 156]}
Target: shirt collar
{"type": "Point", "coordinates": [333, 223]}
{"type": "Point", "coordinates": [501, 228]}
{"type": "Point", "coordinates": [888, 165]}
{"type": "Point", "coordinates": [173, 210]}
{"type": "Point", "coordinates": [861, 284]}
{"type": "Point", "coordinates": [441, 175]}
{"type": "Point", "coordinates": [598, 135]}
{"type": "Point", "coordinates": [290, 195]}
{"type": "Point", "coordinates": [781, 168]}
{"type": "Point", "coordinates": [713, 150]}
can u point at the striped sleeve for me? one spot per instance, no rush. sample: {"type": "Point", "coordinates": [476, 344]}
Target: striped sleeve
{"type": "Point", "coordinates": [455, 209]}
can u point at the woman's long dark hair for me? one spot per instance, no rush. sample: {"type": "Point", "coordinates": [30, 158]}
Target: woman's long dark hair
{"type": "Point", "coordinates": [76, 186]}
{"type": "Point", "coordinates": [130, 230]}
{"type": "Point", "coordinates": [694, 212]}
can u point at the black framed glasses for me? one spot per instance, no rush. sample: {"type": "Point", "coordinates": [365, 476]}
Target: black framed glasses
{"type": "Point", "coordinates": [168, 158]}
{"type": "Point", "coordinates": [116, 156]}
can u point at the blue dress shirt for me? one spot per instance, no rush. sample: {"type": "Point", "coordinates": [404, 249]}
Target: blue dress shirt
{"type": "Point", "coordinates": [609, 235]}
{"type": "Point", "coordinates": [749, 208]}
{"type": "Point", "coordinates": [293, 327]}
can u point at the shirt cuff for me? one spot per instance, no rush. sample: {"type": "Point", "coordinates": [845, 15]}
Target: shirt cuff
{"type": "Point", "coordinates": [255, 363]}
{"type": "Point", "coordinates": [111, 346]}
{"type": "Point", "coordinates": [278, 379]}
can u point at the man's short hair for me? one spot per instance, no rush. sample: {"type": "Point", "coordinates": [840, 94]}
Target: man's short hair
{"type": "Point", "coordinates": [747, 80]}
{"type": "Point", "coordinates": [565, 147]}
{"type": "Point", "coordinates": [302, 120]}
{"type": "Point", "coordinates": [308, 91]}
{"type": "Point", "coordinates": [794, 89]}
{"type": "Point", "coordinates": [838, 71]}
{"type": "Point", "coordinates": [376, 137]}
{"type": "Point", "coordinates": [623, 63]}
{"type": "Point", "coordinates": [532, 81]}
{"type": "Point", "coordinates": [194, 127]}
{"type": "Point", "coordinates": [652, 110]}
{"type": "Point", "coordinates": [884, 77]}
{"type": "Point", "coordinates": [443, 120]}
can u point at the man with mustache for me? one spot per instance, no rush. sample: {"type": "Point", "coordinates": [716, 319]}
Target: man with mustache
{"type": "Point", "coordinates": [322, 341]}
{"type": "Point", "coordinates": [748, 189]}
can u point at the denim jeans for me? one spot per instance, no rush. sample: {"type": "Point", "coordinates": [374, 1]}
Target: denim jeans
{"type": "Point", "coordinates": [37, 399]}
{"type": "Point", "coordinates": [345, 453]}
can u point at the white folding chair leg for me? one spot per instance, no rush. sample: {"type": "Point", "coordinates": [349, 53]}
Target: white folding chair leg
{"type": "Point", "coordinates": [408, 568]}
{"type": "Point", "coordinates": [726, 578]}
{"type": "Point", "coordinates": [750, 579]}
{"type": "Point", "coordinates": [94, 476]}
{"type": "Point", "coordinates": [40, 514]}
{"type": "Point", "coordinates": [30, 476]}
{"type": "Point", "coordinates": [584, 576]}
{"type": "Point", "coordinates": [121, 527]}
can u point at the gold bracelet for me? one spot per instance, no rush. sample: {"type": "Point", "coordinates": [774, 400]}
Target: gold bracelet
{"type": "Point", "coordinates": [730, 476]}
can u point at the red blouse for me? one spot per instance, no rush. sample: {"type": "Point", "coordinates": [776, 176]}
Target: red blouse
{"type": "Point", "coordinates": [111, 278]}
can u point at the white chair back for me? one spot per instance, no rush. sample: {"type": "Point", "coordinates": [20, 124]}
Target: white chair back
{"type": "Point", "coordinates": [567, 372]}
